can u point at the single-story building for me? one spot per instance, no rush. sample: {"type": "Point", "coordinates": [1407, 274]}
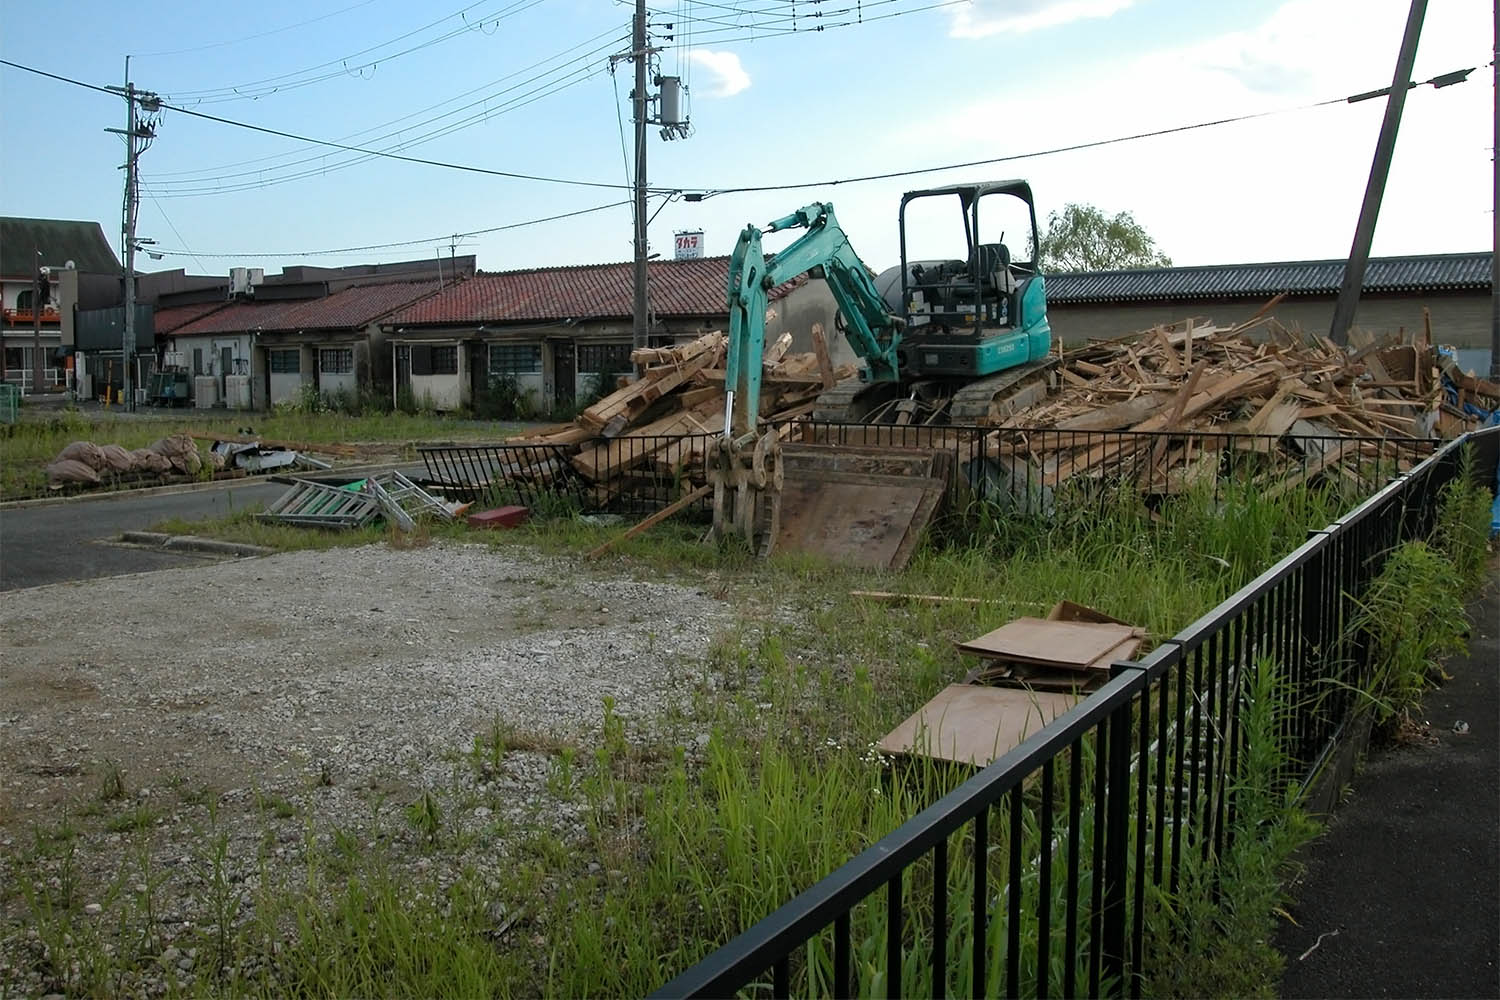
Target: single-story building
{"type": "Point", "coordinates": [1453, 287]}
{"type": "Point", "coordinates": [254, 353]}
{"type": "Point", "coordinates": [563, 333]}
{"type": "Point", "coordinates": [335, 345]}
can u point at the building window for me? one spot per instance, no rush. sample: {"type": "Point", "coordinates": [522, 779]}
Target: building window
{"type": "Point", "coordinates": [596, 359]}
{"type": "Point", "coordinates": [336, 361]}
{"type": "Point", "coordinates": [445, 360]}
{"type": "Point", "coordinates": [286, 362]}
{"type": "Point", "coordinates": [198, 361]}
{"type": "Point", "coordinates": [23, 300]}
{"type": "Point", "coordinates": [515, 359]}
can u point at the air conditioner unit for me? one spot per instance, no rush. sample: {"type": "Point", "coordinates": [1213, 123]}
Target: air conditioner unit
{"type": "Point", "coordinates": [239, 281]}
{"type": "Point", "coordinates": [257, 276]}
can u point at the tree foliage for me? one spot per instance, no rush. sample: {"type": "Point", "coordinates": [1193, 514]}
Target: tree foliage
{"type": "Point", "coordinates": [1083, 238]}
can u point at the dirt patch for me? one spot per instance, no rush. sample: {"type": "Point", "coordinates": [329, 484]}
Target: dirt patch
{"type": "Point", "coordinates": [303, 695]}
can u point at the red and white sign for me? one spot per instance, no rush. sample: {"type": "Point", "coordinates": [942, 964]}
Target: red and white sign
{"type": "Point", "coordinates": [689, 245]}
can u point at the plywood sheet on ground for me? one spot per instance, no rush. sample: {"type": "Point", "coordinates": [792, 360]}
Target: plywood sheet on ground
{"type": "Point", "coordinates": [1061, 643]}
{"type": "Point", "coordinates": [969, 724]}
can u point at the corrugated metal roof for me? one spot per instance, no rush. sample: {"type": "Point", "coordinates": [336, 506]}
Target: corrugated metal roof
{"type": "Point", "coordinates": [348, 308]}
{"type": "Point", "coordinates": [589, 291]}
{"type": "Point", "coordinates": [1427, 273]}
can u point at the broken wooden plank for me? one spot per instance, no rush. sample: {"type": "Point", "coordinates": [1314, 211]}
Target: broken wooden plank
{"type": "Point", "coordinates": [682, 503]}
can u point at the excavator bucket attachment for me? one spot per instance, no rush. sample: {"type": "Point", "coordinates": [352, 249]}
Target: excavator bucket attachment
{"type": "Point", "coordinates": [855, 505]}
{"type": "Point", "coordinates": [860, 506]}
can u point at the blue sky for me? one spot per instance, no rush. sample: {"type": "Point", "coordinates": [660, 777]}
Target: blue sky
{"type": "Point", "coordinates": [962, 82]}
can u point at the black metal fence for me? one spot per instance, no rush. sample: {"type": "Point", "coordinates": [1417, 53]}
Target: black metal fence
{"type": "Point", "coordinates": [1023, 470]}
{"type": "Point", "coordinates": [1040, 874]}
{"type": "Point", "coordinates": [625, 475]}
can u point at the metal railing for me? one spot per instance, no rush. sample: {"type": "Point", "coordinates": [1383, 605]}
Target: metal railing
{"type": "Point", "coordinates": [1023, 470]}
{"type": "Point", "coordinates": [625, 475]}
{"type": "Point", "coordinates": [1087, 823]}
{"type": "Point", "coordinates": [22, 377]}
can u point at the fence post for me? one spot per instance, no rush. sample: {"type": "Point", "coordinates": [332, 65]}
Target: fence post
{"type": "Point", "coordinates": [1117, 835]}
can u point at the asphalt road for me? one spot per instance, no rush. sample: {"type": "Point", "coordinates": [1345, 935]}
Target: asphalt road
{"type": "Point", "coordinates": [72, 541]}
{"type": "Point", "coordinates": [1399, 899]}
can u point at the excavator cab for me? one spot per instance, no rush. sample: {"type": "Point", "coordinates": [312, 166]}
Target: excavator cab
{"type": "Point", "coordinates": [983, 313]}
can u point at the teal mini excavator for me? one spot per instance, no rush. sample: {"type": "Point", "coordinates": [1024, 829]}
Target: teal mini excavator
{"type": "Point", "coordinates": [961, 340]}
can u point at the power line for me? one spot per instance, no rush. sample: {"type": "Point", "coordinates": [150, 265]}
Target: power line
{"type": "Point", "coordinates": [288, 81]}
{"type": "Point", "coordinates": [614, 39]}
{"type": "Point", "coordinates": [251, 38]}
{"type": "Point", "coordinates": [200, 186]}
{"type": "Point", "coordinates": [398, 243]}
{"type": "Point", "coordinates": [699, 194]}
{"type": "Point", "coordinates": [172, 226]}
{"type": "Point", "coordinates": [464, 167]}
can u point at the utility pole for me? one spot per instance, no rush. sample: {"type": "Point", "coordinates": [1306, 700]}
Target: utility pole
{"type": "Point", "coordinates": [38, 297]}
{"type": "Point", "coordinates": [1495, 214]}
{"type": "Point", "coordinates": [1364, 231]}
{"type": "Point", "coordinates": [133, 132]}
{"type": "Point", "coordinates": [641, 57]}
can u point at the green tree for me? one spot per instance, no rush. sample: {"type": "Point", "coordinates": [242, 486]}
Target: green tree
{"type": "Point", "coordinates": [1083, 238]}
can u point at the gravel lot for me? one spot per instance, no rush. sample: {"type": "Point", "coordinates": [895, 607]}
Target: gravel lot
{"type": "Point", "coordinates": [337, 685]}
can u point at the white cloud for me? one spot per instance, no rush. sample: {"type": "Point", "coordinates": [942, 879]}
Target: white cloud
{"type": "Point", "coordinates": [728, 76]}
{"type": "Point", "coordinates": [1276, 188]}
{"type": "Point", "coordinates": [983, 18]}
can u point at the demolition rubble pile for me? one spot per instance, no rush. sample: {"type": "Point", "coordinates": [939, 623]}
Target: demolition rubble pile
{"type": "Point", "coordinates": [1180, 396]}
{"type": "Point", "coordinates": [659, 426]}
{"type": "Point", "coordinates": [1164, 408]}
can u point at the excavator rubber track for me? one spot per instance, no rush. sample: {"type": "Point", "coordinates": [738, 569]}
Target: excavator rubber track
{"type": "Point", "coordinates": [1001, 396]}
{"type": "Point", "coordinates": [992, 399]}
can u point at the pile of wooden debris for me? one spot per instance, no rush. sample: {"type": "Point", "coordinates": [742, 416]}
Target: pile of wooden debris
{"type": "Point", "coordinates": [658, 425]}
{"type": "Point", "coordinates": [1180, 395]}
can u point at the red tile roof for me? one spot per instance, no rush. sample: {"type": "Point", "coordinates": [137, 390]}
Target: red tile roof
{"type": "Point", "coordinates": [355, 306]}
{"type": "Point", "coordinates": [174, 317]}
{"type": "Point", "coordinates": [348, 308]}
{"type": "Point", "coordinates": [589, 291]}
{"type": "Point", "coordinates": [237, 317]}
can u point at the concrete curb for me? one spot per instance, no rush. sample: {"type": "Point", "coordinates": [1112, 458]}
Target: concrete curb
{"type": "Point", "coordinates": [219, 484]}
{"type": "Point", "coordinates": [194, 543]}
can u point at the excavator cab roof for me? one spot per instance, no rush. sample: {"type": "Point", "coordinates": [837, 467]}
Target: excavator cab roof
{"type": "Point", "coordinates": [968, 196]}
{"type": "Point", "coordinates": [969, 193]}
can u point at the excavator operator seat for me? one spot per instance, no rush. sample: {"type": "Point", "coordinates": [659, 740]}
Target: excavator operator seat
{"type": "Point", "coordinates": [993, 269]}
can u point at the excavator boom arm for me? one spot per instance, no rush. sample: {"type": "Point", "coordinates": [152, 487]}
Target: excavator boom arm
{"type": "Point", "coordinates": [870, 329]}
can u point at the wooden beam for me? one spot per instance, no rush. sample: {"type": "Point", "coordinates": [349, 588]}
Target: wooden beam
{"type": "Point", "coordinates": [825, 362]}
{"type": "Point", "coordinates": [672, 508]}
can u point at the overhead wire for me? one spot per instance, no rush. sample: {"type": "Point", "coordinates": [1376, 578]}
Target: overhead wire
{"type": "Point", "coordinates": [266, 86]}
{"type": "Point", "coordinates": [221, 168]}
{"type": "Point", "coordinates": [258, 35]}
{"type": "Point", "coordinates": [227, 183]}
{"type": "Point", "coordinates": [700, 194]}
{"type": "Point", "coordinates": [444, 164]}
{"type": "Point", "coordinates": [399, 243]}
